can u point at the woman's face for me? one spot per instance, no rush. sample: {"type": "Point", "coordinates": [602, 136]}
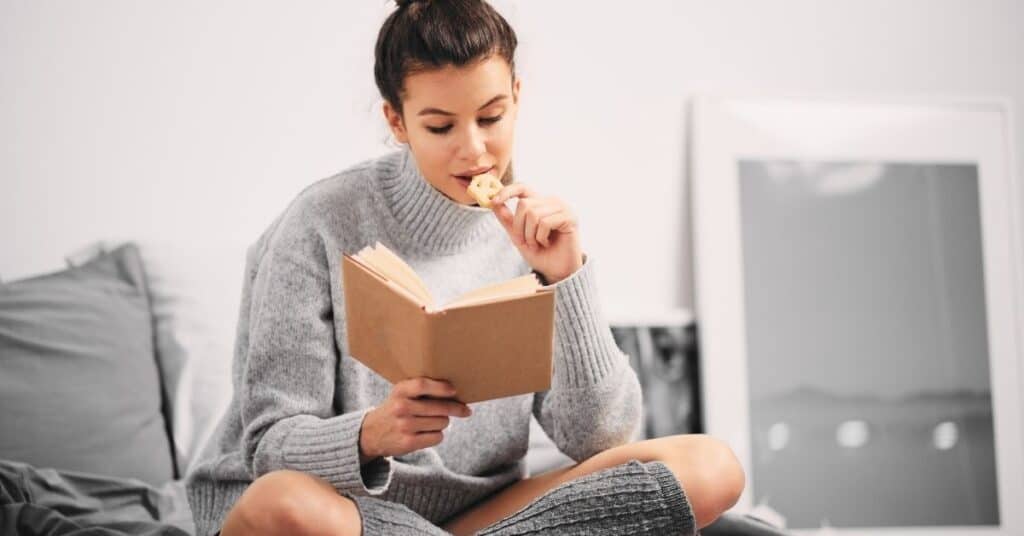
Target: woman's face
{"type": "Point", "coordinates": [458, 122]}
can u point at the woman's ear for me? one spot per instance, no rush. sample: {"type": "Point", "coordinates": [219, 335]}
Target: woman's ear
{"type": "Point", "coordinates": [515, 90]}
{"type": "Point", "coordinates": [395, 123]}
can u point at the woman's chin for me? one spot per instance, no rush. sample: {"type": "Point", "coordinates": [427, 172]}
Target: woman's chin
{"type": "Point", "coordinates": [461, 197]}
{"type": "Point", "coordinates": [457, 194]}
{"type": "Point", "coordinates": [468, 201]}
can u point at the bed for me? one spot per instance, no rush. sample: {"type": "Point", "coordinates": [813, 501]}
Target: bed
{"type": "Point", "coordinates": [114, 371]}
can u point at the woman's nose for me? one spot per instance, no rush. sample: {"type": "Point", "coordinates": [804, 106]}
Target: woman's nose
{"type": "Point", "coordinates": [472, 144]}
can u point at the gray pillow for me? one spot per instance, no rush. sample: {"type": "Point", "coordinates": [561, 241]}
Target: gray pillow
{"type": "Point", "coordinates": [79, 384]}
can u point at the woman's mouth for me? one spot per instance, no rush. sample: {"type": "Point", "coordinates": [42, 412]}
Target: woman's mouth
{"type": "Point", "coordinates": [467, 178]}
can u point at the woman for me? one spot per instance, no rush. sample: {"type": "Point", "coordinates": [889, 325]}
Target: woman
{"type": "Point", "coordinates": [315, 443]}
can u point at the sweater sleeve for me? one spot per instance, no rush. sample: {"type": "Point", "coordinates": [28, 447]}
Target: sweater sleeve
{"type": "Point", "coordinates": [594, 402]}
{"type": "Point", "coordinates": [288, 378]}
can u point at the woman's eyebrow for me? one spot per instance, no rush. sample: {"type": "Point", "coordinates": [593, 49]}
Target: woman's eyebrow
{"type": "Point", "coordinates": [438, 111]}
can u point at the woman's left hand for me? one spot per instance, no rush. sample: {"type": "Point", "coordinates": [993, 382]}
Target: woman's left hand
{"type": "Point", "coordinates": [543, 229]}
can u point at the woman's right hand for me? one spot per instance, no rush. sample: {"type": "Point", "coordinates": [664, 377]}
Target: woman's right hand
{"type": "Point", "coordinates": [410, 419]}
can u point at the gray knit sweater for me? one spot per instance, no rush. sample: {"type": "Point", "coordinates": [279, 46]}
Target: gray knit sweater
{"type": "Point", "coordinates": [299, 398]}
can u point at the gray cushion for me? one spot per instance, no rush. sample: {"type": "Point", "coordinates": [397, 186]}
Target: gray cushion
{"type": "Point", "coordinates": [79, 384]}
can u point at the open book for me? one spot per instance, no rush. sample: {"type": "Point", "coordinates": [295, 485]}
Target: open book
{"type": "Point", "coordinates": [491, 342]}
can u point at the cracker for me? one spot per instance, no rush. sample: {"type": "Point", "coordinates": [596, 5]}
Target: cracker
{"type": "Point", "coordinates": [482, 187]}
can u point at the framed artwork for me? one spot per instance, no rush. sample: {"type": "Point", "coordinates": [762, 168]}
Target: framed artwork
{"type": "Point", "coordinates": [662, 349]}
{"type": "Point", "coordinates": [858, 291]}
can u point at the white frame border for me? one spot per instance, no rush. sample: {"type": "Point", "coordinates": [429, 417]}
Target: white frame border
{"type": "Point", "coordinates": [725, 129]}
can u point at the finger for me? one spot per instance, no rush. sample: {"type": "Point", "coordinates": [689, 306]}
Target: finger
{"type": "Point", "coordinates": [504, 216]}
{"type": "Point", "coordinates": [519, 222]}
{"type": "Point", "coordinates": [423, 440]}
{"type": "Point", "coordinates": [417, 387]}
{"type": "Point", "coordinates": [533, 218]}
{"type": "Point", "coordinates": [429, 424]}
{"type": "Point", "coordinates": [437, 408]}
{"type": "Point", "coordinates": [562, 222]}
{"type": "Point", "coordinates": [516, 189]}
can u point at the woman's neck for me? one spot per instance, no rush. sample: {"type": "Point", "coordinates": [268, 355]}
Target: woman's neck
{"type": "Point", "coordinates": [431, 221]}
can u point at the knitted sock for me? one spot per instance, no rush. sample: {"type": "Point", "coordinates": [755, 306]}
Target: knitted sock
{"type": "Point", "coordinates": [632, 498]}
{"type": "Point", "coordinates": [382, 517]}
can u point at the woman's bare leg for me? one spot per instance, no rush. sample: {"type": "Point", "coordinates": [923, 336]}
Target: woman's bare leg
{"type": "Point", "coordinates": [705, 467]}
{"type": "Point", "coordinates": [292, 502]}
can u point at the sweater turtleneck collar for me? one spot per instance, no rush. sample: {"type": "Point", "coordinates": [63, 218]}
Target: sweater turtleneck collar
{"type": "Point", "coordinates": [429, 218]}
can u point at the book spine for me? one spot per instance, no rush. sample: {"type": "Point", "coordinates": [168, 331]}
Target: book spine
{"type": "Point", "coordinates": [430, 356]}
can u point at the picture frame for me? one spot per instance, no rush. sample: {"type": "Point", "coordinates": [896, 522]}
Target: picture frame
{"type": "Point", "coordinates": [662, 350]}
{"type": "Point", "coordinates": [857, 270]}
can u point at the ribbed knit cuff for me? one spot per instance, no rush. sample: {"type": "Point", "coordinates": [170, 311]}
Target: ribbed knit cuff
{"type": "Point", "coordinates": [675, 498]}
{"type": "Point", "coordinates": [584, 346]}
{"type": "Point", "coordinates": [390, 518]}
{"type": "Point", "coordinates": [329, 449]}
{"type": "Point", "coordinates": [210, 502]}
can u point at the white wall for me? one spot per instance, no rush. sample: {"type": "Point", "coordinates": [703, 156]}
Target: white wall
{"type": "Point", "coordinates": [200, 120]}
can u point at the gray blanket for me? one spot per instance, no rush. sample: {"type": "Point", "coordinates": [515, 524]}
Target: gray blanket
{"type": "Point", "coordinates": [49, 502]}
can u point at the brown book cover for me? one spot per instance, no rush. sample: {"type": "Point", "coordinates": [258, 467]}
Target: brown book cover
{"type": "Point", "coordinates": [487, 349]}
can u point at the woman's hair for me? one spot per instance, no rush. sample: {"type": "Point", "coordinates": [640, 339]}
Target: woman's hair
{"type": "Point", "coordinates": [430, 34]}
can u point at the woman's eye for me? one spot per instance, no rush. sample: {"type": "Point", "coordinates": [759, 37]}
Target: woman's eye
{"type": "Point", "coordinates": [439, 130]}
{"type": "Point", "coordinates": [489, 120]}
{"type": "Point", "coordinates": [483, 121]}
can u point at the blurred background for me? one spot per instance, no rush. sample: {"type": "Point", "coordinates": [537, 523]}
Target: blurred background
{"type": "Point", "coordinates": [202, 119]}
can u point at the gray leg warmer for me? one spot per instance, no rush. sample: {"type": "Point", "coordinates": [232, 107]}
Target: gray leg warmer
{"type": "Point", "coordinates": [632, 498]}
{"type": "Point", "coordinates": [388, 518]}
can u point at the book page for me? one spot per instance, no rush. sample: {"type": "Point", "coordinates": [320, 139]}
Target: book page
{"type": "Point", "coordinates": [520, 286]}
{"type": "Point", "coordinates": [393, 268]}
{"type": "Point", "coordinates": [408, 275]}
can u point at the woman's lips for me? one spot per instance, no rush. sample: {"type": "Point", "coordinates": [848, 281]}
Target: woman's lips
{"type": "Point", "coordinates": [465, 180]}
{"type": "Point", "coordinates": [475, 171]}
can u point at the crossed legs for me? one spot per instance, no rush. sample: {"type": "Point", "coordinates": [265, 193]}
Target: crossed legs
{"type": "Point", "coordinates": [290, 502]}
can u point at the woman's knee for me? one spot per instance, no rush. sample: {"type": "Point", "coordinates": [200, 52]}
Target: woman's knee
{"type": "Point", "coordinates": [292, 502]}
{"type": "Point", "coordinates": [708, 471]}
